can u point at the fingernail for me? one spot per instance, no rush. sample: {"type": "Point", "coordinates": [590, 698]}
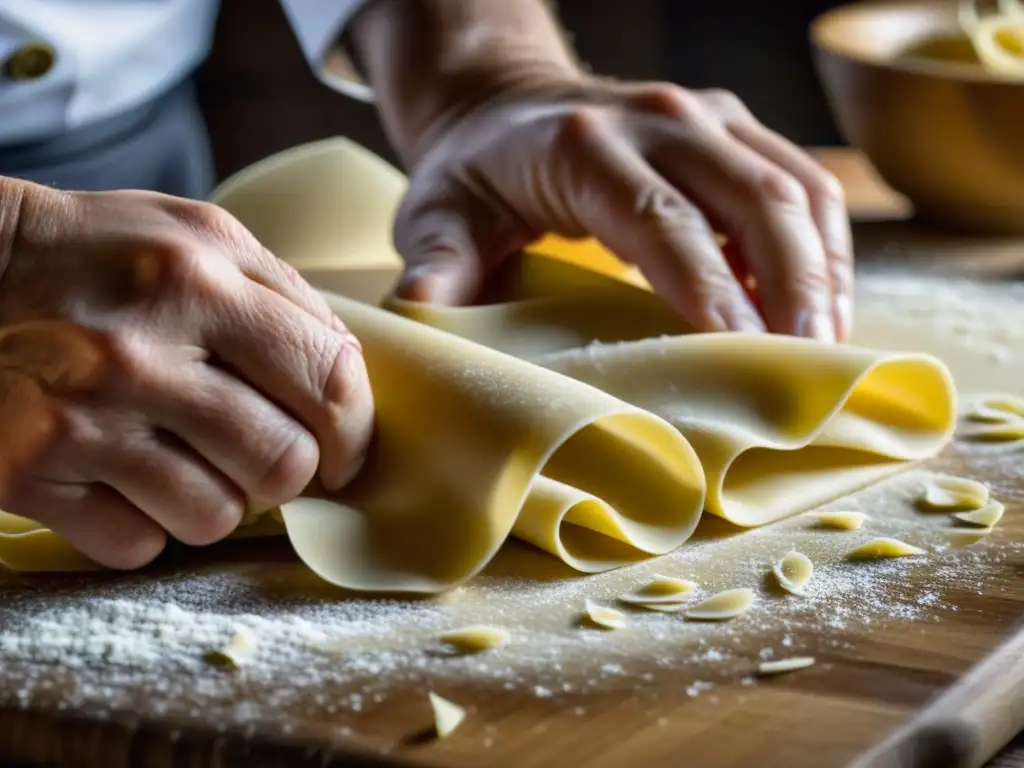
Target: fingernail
{"type": "Point", "coordinates": [813, 324]}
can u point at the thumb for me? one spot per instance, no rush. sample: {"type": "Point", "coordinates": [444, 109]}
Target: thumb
{"type": "Point", "coordinates": [443, 262]}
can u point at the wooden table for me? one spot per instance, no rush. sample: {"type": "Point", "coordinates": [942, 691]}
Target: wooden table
{"type": "Point", "coordinates": [638, 711]}
{"type": "Point", "coordinates": [873, 203]}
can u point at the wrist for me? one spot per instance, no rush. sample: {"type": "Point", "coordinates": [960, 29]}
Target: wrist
{"type": "Point", "coordinates": [432, 61]}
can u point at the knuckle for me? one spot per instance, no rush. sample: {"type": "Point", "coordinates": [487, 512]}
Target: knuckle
{"type": "Point", "coordinates": [670, 100]}
{"type": "Point", "coordinates": [581, 124]}
{"type": "Point", "coordinates": [74, 426]}
{"type": "Point", "coordinates": [812, 284]}
{"type": "Point", "coordinates": [288, 472]}
{"type": "Point", "coordinates": [340, 371]}
{"type": "Point", "coordinates": [179, 265]}
{"type": "Point", "coordinates": [826, 185]}
{"type": "Point", "coordinates": [667, 210]}
{"type": "Point", "coordinates": [725, 102]}
{"type": "Point", "coordinates": [126, 358]}
{"type": "Point", "coordinates": [205, 219]}
{"type": "Point", "coordinates": [774, 187]}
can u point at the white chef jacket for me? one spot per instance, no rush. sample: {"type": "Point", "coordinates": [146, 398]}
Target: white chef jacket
{"type": "Point", "coordinates": [113, 55]}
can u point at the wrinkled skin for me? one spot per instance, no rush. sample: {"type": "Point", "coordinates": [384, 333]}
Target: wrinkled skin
{"type": "Point", "coordinates": [653, 171]}
{"type": "Point", "coordinates": [161, 373]}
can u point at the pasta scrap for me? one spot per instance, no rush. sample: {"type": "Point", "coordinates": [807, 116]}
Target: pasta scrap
{"type": "Point", "coordinates": [477, 638]}
{"type": "Point", "coordinates": [986, 517]}
{"type": "Point", "coordinates": [447, 716]}
{"type": "Point", "coordinates": [663, 589]}
{"type": "Point", "coordinates": [603, 616]}
{"type": "Point", "coordinates": [883, 547]}
{"type": "Point", "coordinates": [946, 492]}
{"type": "Point", "coordinates": [1002, 432]}
{"type": "Point", "coordinates": [841, 520]}
{"type": "Point", "coordinates": [997, 410]}
{"type": "Point", "coordinates": [781, 666]}
{"type": "Point", "coordinates": [239, 651]}
{"type": "Point", "coordinates": [793, 571]}
{"type": "Point", "coordinates": [723, 605]}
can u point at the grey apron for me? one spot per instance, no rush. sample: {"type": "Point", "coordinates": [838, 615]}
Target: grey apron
{"type": "Point", "coordinates": [160, 146]}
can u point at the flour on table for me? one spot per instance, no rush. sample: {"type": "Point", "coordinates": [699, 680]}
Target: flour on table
{"type": "Point", "coordinates": [115, 642]}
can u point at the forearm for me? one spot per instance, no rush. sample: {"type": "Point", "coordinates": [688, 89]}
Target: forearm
{"type": "Point", "coordinates": [429, 59]}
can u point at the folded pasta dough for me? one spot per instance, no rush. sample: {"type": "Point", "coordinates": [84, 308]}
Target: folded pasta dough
{"type": "Point", "coordinates": [471, 444]}
{"type": "Point", "coordinates": [780, 424]}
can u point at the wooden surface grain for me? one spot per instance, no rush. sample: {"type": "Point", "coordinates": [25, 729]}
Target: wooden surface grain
{"type": "Point", "coordinates": [943, 690]}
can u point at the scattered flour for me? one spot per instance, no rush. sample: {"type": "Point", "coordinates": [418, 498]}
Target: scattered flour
{"type": "Point", "coordinates": [117, 643]}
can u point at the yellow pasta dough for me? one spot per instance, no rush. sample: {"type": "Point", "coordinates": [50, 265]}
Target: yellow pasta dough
{"type": "Point", "coordinates": [447, 715]}
{"type": "Point", "coordinates": [239, 651]}
{"type": "Point", "coordinates": [603, 616]}
{"type": "Point", "coordinates": [985, 517]}
{"type": "Point", "coordinates": [477, 638]}
{"type": "Point", "coordinates": [946, 492]}
{"type": "Point", "coordinates": [840, 520]}
{"type": "Point", "coordinates": [881, 548]}
{"type": "Point", "coordinates": [663, 589]}
{"type": "Point", "coordinates": [793, 571]}
{"type": "Point", "coordinates": [576, 413]}
{"type": "Point", "coordinates": [723, 605]}
{"type": "Point", "coordinates": [766, 668]}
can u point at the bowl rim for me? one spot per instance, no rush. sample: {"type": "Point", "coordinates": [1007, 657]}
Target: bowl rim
{"type": "Point", "coordinates": [963, 73]}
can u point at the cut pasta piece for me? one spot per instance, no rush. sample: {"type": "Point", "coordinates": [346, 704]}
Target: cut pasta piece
{"type": "Point", "coordinates": [722, 606]}
{"type": "Point", "coordinates": [841, 520]}
{"type": "Point", "coordinates": [447, 716]}
{"type": "Point", "coordinates": [1004, 432]}
{"type": "Point", "coordinates": [946, 492]}
{"type": "Point", "coordinates": [883, 547]}
{"type": "Point", "coordinates": [986, 517]}
{"type": "Point", "coordinates": [603, 616]}
{"type": "Point", "coordinates": [784, 665]}
{"type": "Point", "coordinates": [663, 607]}
{"type": "Point", "coordinates": [663, 589]}
{"type": "Point", "coordinates": [239, 651]}
{"type": "Point", "coordinates": [476, 638]}
{"type": "Point", "coordinates": [793, 571]}
{"type": "Point", "coordinates": [996, 410]}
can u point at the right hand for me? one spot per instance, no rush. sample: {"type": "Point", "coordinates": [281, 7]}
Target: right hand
{"type": "Point", "coordinates": [161, 373]}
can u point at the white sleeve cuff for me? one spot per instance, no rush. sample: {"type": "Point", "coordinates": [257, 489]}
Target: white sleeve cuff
{"type": "Point", "coordinates": [318, 25]}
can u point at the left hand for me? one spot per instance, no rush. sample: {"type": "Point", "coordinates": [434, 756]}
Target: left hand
{"type": "Point", "coordinates": [650, 170]}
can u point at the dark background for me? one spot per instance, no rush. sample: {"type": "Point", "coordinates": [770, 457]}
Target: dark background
{"type": "Point", "coordinates": [259, 95]}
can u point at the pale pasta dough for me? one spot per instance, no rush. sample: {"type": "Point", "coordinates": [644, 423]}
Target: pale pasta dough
{"type": "Point", "coordinates": [997, 409]}
{"type": "Point", "coordinates": [985, 517]}
{"type": "Point", "coordinates": [780, 666]}
{"type": "Point", "coordinates": [723, 605]}
{"type": "Point", "coordinates": [946, 492]}
{"type": "Point", "coordinates": [663, 589]}
{"type": "Point", "coordinates": [841, 520]}
{"type": "Point", "coordinates": [1004, 432]}
{"type": "Point", "coordinates": [604, 617]}
{"type": "Point", "coordinates": [883, 547]}
{"type": "Point", "coordinates": [477, 638]}
{"type": "Point", "coordinates": [239, 651]}
{"type": "Point", "coordinates": [575, 413]}
{"type": "Point", "coordinates": [793, 571]}
{"type": "Point", "coordinates": [447, 716]}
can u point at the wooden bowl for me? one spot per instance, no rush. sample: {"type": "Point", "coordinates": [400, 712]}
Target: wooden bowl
{"type": "Point", "coordinates": [906, 88]}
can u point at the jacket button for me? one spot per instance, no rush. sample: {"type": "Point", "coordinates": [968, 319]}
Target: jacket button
{"type": "Point", "coordinates": [30, 62]}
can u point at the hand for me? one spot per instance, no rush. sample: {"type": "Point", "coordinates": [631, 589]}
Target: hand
{"type": "Point", "coordinates": [161, 373]}
{"type": "Point", "coordinates": [652, 171]}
